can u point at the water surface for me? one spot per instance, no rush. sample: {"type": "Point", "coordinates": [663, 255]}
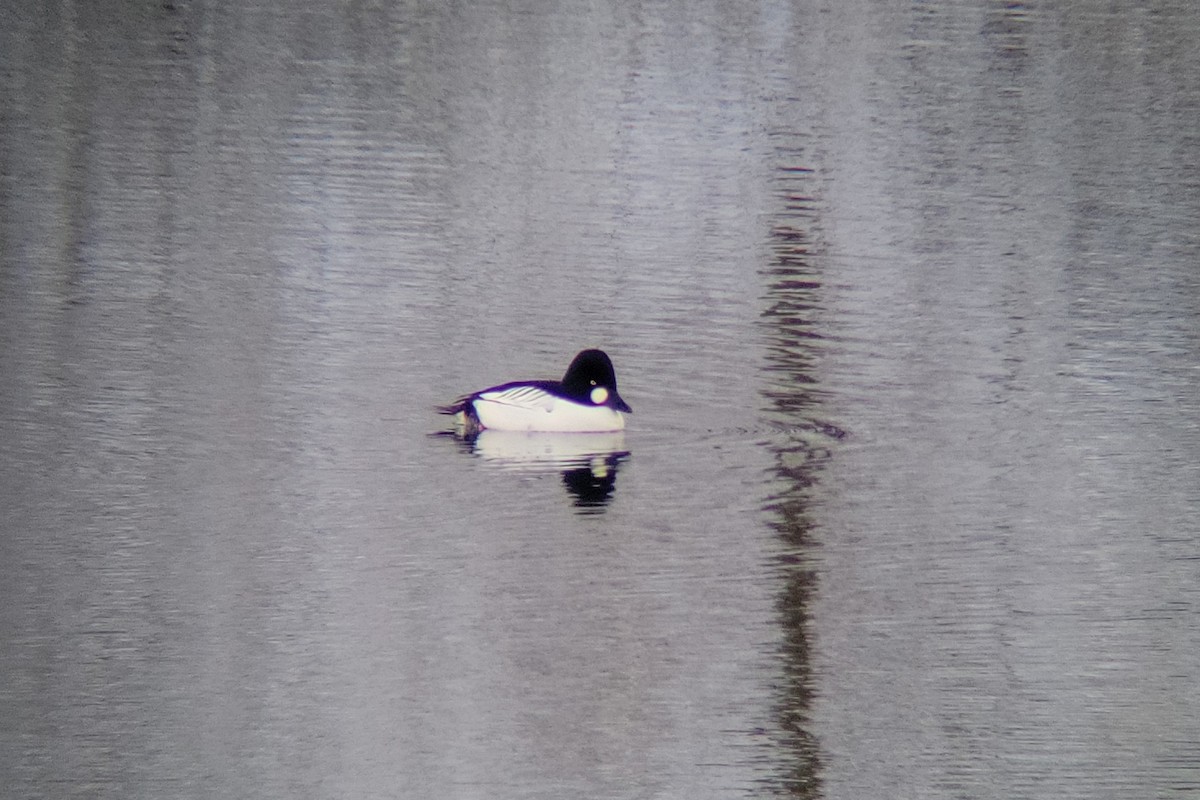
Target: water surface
{"type": "Point", "coordinates": [904, 299]}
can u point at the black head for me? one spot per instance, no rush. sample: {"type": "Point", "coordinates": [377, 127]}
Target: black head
{"type": "Point", "coordinates": [592, 370]}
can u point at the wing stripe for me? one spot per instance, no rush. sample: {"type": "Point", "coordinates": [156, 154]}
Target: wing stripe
{"type": "Point", "coordinates": [529, 397]}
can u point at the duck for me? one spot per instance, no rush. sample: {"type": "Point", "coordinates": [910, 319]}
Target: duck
{"type": "Point", "coordinates": [584, 401]}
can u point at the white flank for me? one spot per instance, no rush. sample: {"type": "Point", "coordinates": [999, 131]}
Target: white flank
{"type": "Point", "coordinates": [528, 408]}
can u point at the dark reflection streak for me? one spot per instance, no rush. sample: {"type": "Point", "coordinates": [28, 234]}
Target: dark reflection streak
{"type": "Point", "coordinates": [793, 287]}
{"type": "Point", "coordinates": [76, 160]}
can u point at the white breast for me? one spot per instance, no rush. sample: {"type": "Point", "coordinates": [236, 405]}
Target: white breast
{"type": "Point", "coordinates": [528, 408]}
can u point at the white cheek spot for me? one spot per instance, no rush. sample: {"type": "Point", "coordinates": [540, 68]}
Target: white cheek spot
{"type": "Point", "coordinates": [599, 395]}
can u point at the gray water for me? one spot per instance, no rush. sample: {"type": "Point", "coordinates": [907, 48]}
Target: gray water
{"type": "Point", "coordinates": [904, 297]}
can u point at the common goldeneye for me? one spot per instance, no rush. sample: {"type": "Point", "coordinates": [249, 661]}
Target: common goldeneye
{"type": "Point", "coordinates": [584, 401]}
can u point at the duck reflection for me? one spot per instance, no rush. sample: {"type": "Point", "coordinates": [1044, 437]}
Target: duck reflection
{"type": "Point", "coordinates": [588, 462]}
{"type": "Point", "coordinates": [594, 483]}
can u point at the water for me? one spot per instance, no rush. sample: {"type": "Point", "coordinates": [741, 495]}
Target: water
{"type": "Point", "coordinates": [904, 299]}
